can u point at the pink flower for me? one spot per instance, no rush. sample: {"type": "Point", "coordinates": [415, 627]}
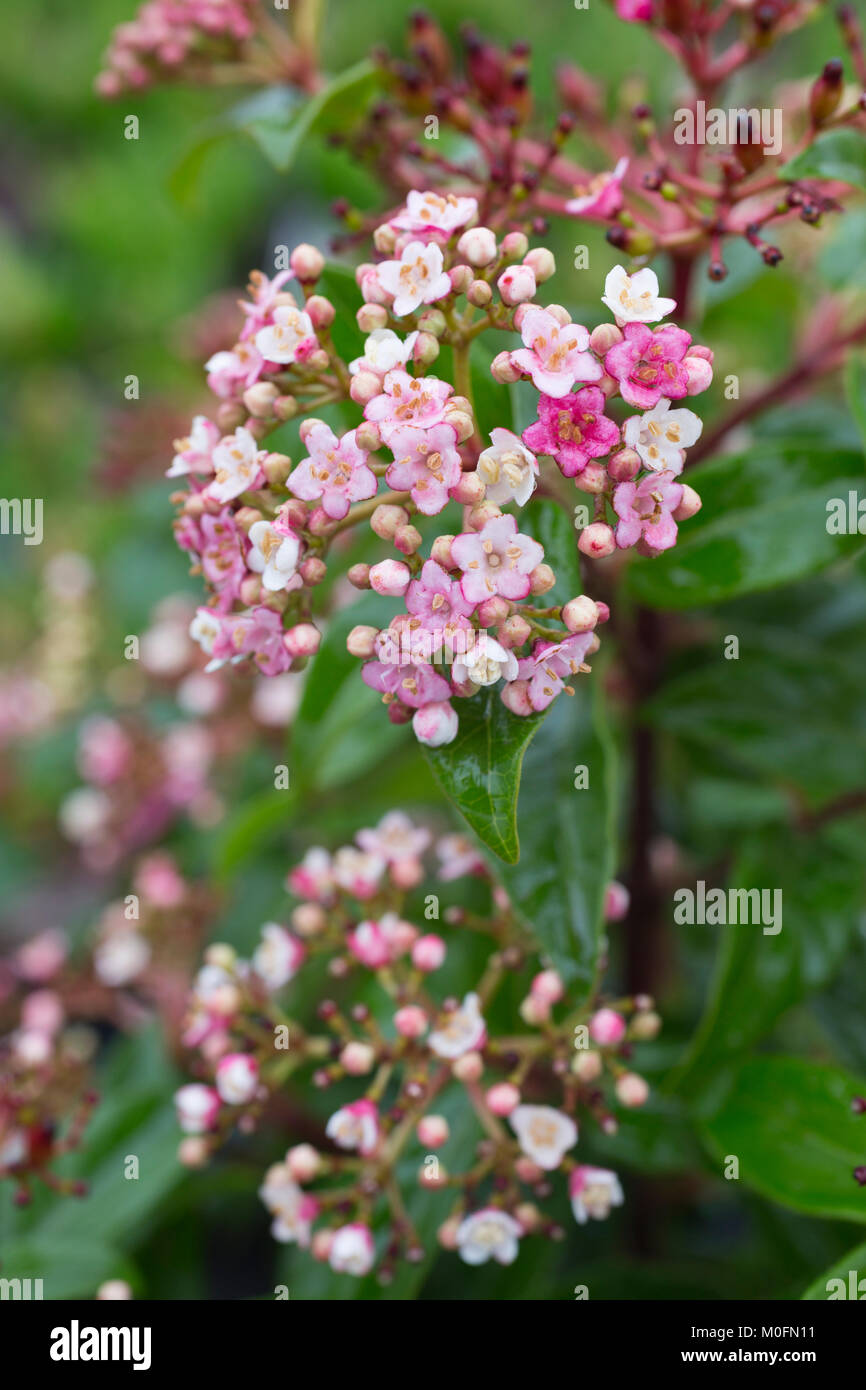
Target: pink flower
{"type": "Point", "coordinates": [607, 1027]}
{"type": "Point", "coordinates": [194, 454]}
{"type": "Point", "coordinates": [279, 956]}
{"type": "Point", "coordinates": [369, 945]}
{"type": "Point", "coordinates": [407, 400]}
{"type": "Point", "coordinates": [496, 560]}
{"type": "Point", "coordinates": [555, 355]}
{"type": "Point", "coordinates": [355, 1126]}
{"type": "Point", "coordinates": [438, 600]}
{"type": "Point", "coordinates": [426, 464]}
{"type": "Point", "coordinates": [263, 293]}
{"type": "Point", "coordinates": [645, 511]}
{"type": "Point", "coordinates": [551, 665]}
{"type": "Point", "coordinates": [197, 1108]}
{"type": "Point", "coordinates": [232, 373]}
{"type": "Point", "coordinates": [237, 1078]}
{"type": "Point", "coordinates": [290, 336]}
{"type": "Point", "coordinates": [417, 278]}
{"type": "Point", "coordinates": [415, 685]}
{"type": "Point", "coordinates": [257, 632]}
{"type": "Point", "coordinates": [650, 364]}
{"type": "Point", "coordinates": [352, 1250]}
{"type": "Point", "coordinates": [634, 10]}
{"type": "Point", "coordinates": [435, 724]}
{"type": "Point", "coordinates": [602, 196]}
{"type": "Point", "coordinates": [357, 872]}
{"type": "Point", "coordinates": [458, 857]}
{"type": "Point", "coordinates": [313, 877]}
{"type": "Point", "coordinates": [104, 750]}
{"type": "Point", "coordinates": [593, 1191]}
{"type": "Point", "coordinates": [222, 558]}
{"type": "Point", "coordinates": [335, 470]}
{"type": "Point", "coordinates": [430, 213]}
{"type": "Point", "coordinates": [573, 429]}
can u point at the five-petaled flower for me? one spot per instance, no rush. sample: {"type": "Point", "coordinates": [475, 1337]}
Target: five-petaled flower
{"type": "Point", "coordinates": [555, 354]}
{"type": "Point", "coordinates": [496, 560]}
{"type": "Point", "coordinates": [645, 511]}
{"type": "Point", "coordinates": [335, 471]}
{"type": "Point", "coordinates": [573, 429]}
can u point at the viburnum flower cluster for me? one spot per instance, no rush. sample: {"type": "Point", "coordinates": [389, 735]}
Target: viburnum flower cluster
{"type": "Point", "coordinates": [262, 528]}
{"type": "Point", "coordinates": [398, 1050]}
{"type": "Point", "coordinates": [178, 38]}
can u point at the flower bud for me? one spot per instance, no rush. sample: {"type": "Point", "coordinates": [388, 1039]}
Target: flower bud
{"type": "Point", "coordinates": [428, 953]}
{"type": "Point", "coordinates": [251, 589]}
{"type": "Point", "coordinates": [461, 422]}
{"type": "Point", "coordinates": [477, 246]}
{"type": "Point", "coordinates": [548, 987]}
{"type": "Point", "coordinates": [367, 436]}
{"type": "Point", "coordinates": [309, 919]}
{"type": "Point", "coordinates": [193, 1152]}
{"type": "Point", "coordinates": [313, 571]}
{"type": "Point", "coordinates": [645, 1026]}
{"type": "Point", "coordinates": [390, 577]}
{"type": "Point", "coordinates": [616, 901]}
{"type": "Point", "coordinates": [407, 539]}
{"type": "Point", "coordinates": [433, 321]}
{"type": "Point", "coordinates": [624, 465]}
{"type": "Point", "coordinates": [700, 374]}
{"type": "Point", "coordinates": [435, 724]}
{"type": "Point", "coordinates": [303, 1162]}
{"type": "Point", "coordinates": [370, 317]}
{"type": "Point", "coordinates": [426, 349]}
{"type": "Point", "coordinates": [229, 415]}
{"type": "Point", "coordinates": [277, 468]}
{"type": "Point", "coordinates": [441, 552]}
{"type": "Point", "coordinates": [469, 491]}
{"type": "Point", "coordinates": [597, 540]}
{"type": "Point", "coordinates": [516, 285]}
{"type": "Point", "coordinates": [690, 503]}
{"type": "Point", "coordinates": [593, 479]}
{"type": "Point", "coordinates": [479, 516]}
{"type": "Point", "coordinates": [541, 579]}
{"type": "Point", "coordinates": [469, 1067]}
{"type": "Point", "coordinates": [632, 1090]}
{"type": "Point", "coordinates": [237, 1078]}
{"type": "Point", "coordinates": [607, 1027]}
{"type": "Point", "coordinates": [307, 263]}
{"type": "Point", "coordinates": [433, 1131]}
{"type": "Point", "coordinates": [580, 614]}
{"type": "Point", "coordinates": [502, 369]}
{"type": "Point", "coordinates": [515, 697]}
{"type": "Point", "coordinates": [479, 294]}
{"type": "Point", "coordinates": [604, 337]}
{"type": "Point", "coordinates": [321, 311]}
{"type": "Point", "coordinates": [541, 262]}
{"type": "Point", "coordinates": [358, 1058]}
{"type": "Point", "coordinates": [285, 408]}
{"type": "Point", "coordinates": [534, 1011]}
{"type": "Point", "coordinates": [386, 519]}
{"type": "Point", "coordinates": [304, 639]}
{"type": "Point", "coordinates": [364, 386]}
{"type": "Point", "coordinates": [587, 1066]}
{"type": "Point", "coordinates": [385, 239]}
{"type": "Point", "coordinates": [259, 399]}
{"type": "Point", "coordinates": [493, 612]}
{"type": "Point", "coordinates": [514, 631]}
{"type": "Point", "coordinates": [411, 1021]}
{"type": "Point", "coordinates": [359, 576]}
{"type": "Point", "coordinates": [461, 278]}
{"type": "Point", "coordinates": [515, 246]}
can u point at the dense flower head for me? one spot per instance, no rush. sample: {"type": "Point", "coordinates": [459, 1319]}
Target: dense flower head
{"type": "Point", "coordinates": [264, 529]}
{"type": "Point", "coordinates": [397, 1049]}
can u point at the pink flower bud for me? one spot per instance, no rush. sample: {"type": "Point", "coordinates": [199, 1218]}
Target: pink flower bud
{"type": "Point", "coordinates": [320, 1246]}
{"type": "Point", "coordinates": [435, 724]}
{"type": "Point", "coordinates": [426, 349]}
{"type": "Point", "coordinates": [515, 697]}
{"type": "Point", "coordinates": [603, 338]}
{"type": "Point", "coordinates": [607, 1027]}
{"type": "Point", "coordinates": [469, 1068]}
{"type": "Point", "coordinates": [370, 317]}
{"type": "Point", "coordinates": [411, 1021]}
{"type": "Point", "coordinates": [407, 873]}
{"type": "Point", "coordinates": [515, 246]}
{"type": "Point", "coordinates": [303, 1162]}
{"type": "Point", "coordinates": [541, 580]}
{"type": "Point", "coordinates": [390, 577]}
{"type": "Point", "coordinates": [237, 1078]}
{"type": "Point", "coordinates": [359, 576]}
{"type": "Point", "coordinates": [493, 611]}
{"type": "Point", "coordinates": [302, 640]}
{"type": "Point", "coordinates": [433, 1131]}
{"type": "Point", "coordinates": [616, 901]}
{"type": "Point", "coordinates": [514, 631]}
{"type": "Point", "coordinates": [358, 1058]}
{"type": "Point", "coordinates": [526, 1170]}
{"type": "Point", "coordinates": [407, 539]}
{"type": "Point", "coordinates": [700, 374]}
{"type": "Point", "coordinates": [363, 387]}
{"type": "Point", "coordinates": [690, 503]}
{"type": "Point", "coordinates": [321, 311]}
{"type": "Point", "coordinates": [516, 285]}
{"type": "Point", "coordinates": [469, 490]}
{"type": "Point", "coordinates": [308, 919]}
{"type": "Point", "coordinates": [428, 953]}
{"type": "Point", "coordinates": [502, 1099]}
{"type": "Point", "coordinates": [624, 465]}
{"type": "Point", "coordinates": [587, 1066]}
{"type": "Point", "coordinates": [548, 987]}
{"type": "Point", "coordinates": [580, 614]}
{"type": "Point", "coordinates": [479, 294]}
{"type": "Point", "coordinates": [259, 399]}
{"type": "Point", "coordinates": [632, 1090]}
{"type": "Point", "coordinates": [502, 368]}
{"type": "Point", "coordinates": [597, 540]}
{"type": "Point", "coordinates": [447, 1233]}
{"type": "Point", "coordinates": [645, 1026]}
{"type": "Point", "coordinates": [477, 246]}
{"type": "Point", "coordinates": [593, 479]}
{"type": "Point", "coordinates": [441, 552]}
{"type": "Point", "coordinates": [307, 263]}
{"type": "Point", "coordinates": [193, 1152]}
{"type": "Point", "coordinates": [542, 263]}
{"type": "Point", "coordinates": [313, 571]}
{"type": "Point", "coordinates": [534, 1011]}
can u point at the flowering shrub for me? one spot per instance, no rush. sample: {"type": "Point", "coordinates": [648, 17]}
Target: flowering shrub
{"type": "Point", "coordinates": [261, 527]}
{"type": "Point", "coordinates": [526, 1082]}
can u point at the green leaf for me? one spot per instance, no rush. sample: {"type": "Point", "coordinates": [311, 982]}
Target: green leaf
{"type": "Point", "coordinates": [567, 835]}
{"type": "Point", "coordinates": [759, 976]}
{"type": "Point", "coordinates": [793, 713]}
{"type": "Point", "coordinates": [342, 728]}
{"type": "Point", "coordinates": [837, 154]}
{"type": "Point", "coordinates": [263, 117]}
{"type": "Point", "coordinates": [763, 524]}
{"type": "Point", "coordinates": [855, 390]}
{"type": "Point", "coordinates": [480, 770]}
{"type": "Point", "coordinates": [790, 1124]}
{"type": "Point", "coordinates": [852, 1264]}
{"type": "Point", "coordinates": [68, 1268]}
{"type": "Point", "coordinates": [333, 108]}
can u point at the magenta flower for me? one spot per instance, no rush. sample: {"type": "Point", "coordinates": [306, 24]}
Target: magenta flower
{"type": "Point", "coordinates": [496, 560]}
{"type": "Point", "coordinates": [436, 604]}
{"type": "Point", "coordinates": [407, 400]}
{"type": "Point", "coordinates": [601, 198]}
{"type": "Point", "coordinates": [555, 355]}
{"type": "Point", "coordinates": [572, 430]}
{"type": "Point", "coordinates": [222, 559]}
{"type": "Point", "coordinates": [551, 665]}
{"type": "Point", "coordinates": [258, 633]}
{"type": "Point", "coordinates": [426, 464]}
{"type": "Point", "coordinates": [645, 511]}
{"type": "Point", "coordinates": [414, 685]}
{"type": "Point", "coordinates": [649, 365]}
{"type": "Point", "coordinates": [336, 470]}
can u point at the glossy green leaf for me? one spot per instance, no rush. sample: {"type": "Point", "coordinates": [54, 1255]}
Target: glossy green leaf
{"type": "Point", "coordinates": [759, 975]}
{"type": "Point", "coordinates": [837, 154]}
{"type": "Point", "coordinates": [845, 1279]}
{"type": "Point", "coordinates": [567, 833]}
{"type": "Point", "coordinates": [333, 108]}
{"type": "Point", "coordinates": [763, 524]}
{"type": "Point", "coordinates": [263, 117]}
{"type": "Point", "coordinates": [789, 1123]}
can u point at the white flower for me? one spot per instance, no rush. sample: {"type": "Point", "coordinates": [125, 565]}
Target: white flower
{"type": "Point", "coordinates": [355, 1126]}
{"type": "Point", "coordinates": [197, 1107]}
{"type": "Point", "coordinates": [237, 1078]}
{"type": "Point", "coordinates": [352, 1250]}
{"type": "Point", "coordinates": [84, 814]}
{"type": "Point", "coordinates": [435, 212]}
{"type": "Point", "coordinates": [120, 957]}
{"type": "Point", "coordinates": [193, 454]}
{"type": "Point", "coordinates": [417, 278]}
{"type": "Point", "coordinates": [280, 340]}
{"type": "Point", "coordinates": [545, 1134]}
{"type": "Point", "coordinates": [462, 1031]}
{"type": "Point", "coordinates": [593, 1192]}
{"type": "Point", "coordinates": [662, 435]}
{"type": "Point", "coordinates": [485, 662]}
{"type": "Point", "coordinates": [274, 556]}
{"type": "Point", "coordinates": [383, 351]}
{"type": "Point", "coordinates": [507, 469]}
{"type": "Point", "coordinates": [357, 872]}
{"type": "Point", "coordinates": [395, 838]}
{"type": "Point", "coordinates": [237, 463]}
{"type": "Point", "coordinates": [204, 629]}
{"type": "Point", "coordinates": [292, 1209]}
{"type": "Point", "coordinates": [488, 1234]}
{"type": "Point", "coordinates": [635, 298]}
{"type": "Point", "coordinates": [279, 957]}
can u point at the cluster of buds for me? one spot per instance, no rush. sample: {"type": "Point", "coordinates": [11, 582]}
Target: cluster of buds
{"type": "Point", "coordinates": [260, 527]}
{"type": "Point", "coordinates": [181, 39]}
{"type": "Point", "coordinates": [415, 1051]}
{"type": "Point", "coordinates": [46, 1095]}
